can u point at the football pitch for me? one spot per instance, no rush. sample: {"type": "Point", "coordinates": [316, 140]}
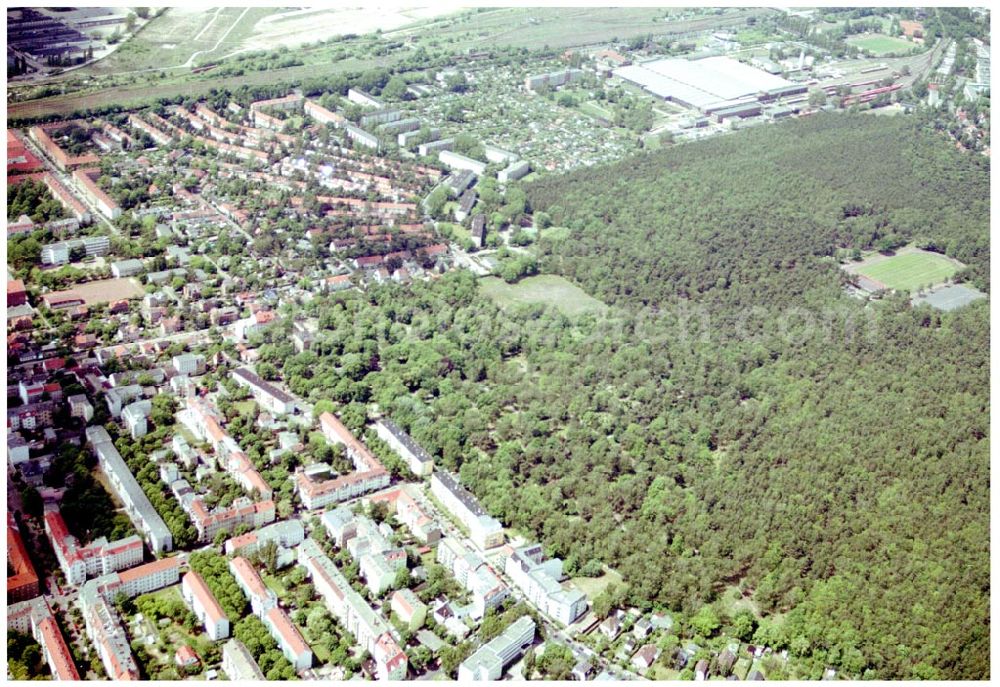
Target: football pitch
{"type": "Point", "coordinates": [910, 271]}
{"type": "Point", "coordinates": [883, 45]}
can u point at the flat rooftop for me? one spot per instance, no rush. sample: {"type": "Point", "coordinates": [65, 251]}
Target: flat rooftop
{"type": "Point", "coordinates": [700, 83]}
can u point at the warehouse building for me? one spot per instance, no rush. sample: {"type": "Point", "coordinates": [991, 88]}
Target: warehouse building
{"type": "Point", "coordinates": [702, 83]}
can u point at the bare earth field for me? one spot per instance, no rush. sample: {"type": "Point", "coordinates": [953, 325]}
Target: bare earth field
{"type": "Point", "coordinates": [107, 290]}
{"type": "Point", "coordinates": [296, 27]}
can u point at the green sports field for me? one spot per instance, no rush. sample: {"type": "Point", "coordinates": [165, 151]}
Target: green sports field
{"type": "Point", "coordinates": [910, 271]}
{"type": "Point", "coordinates": [882, 45]}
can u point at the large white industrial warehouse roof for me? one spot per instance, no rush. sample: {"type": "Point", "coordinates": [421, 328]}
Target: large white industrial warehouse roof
{"type": "Point", "coordinates": [700, 83]}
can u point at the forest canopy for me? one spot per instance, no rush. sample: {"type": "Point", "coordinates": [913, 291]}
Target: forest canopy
{"type": "Point", "coordinates": [703, 433]}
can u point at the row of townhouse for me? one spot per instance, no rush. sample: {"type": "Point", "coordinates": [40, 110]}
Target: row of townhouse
{"type": "Point", "coordinates": [137, 505]}
{"type": "Point", "coordinates": [158, 136]}
{"type": "Point", "coordinates": [103, 624]}
{"type": "Point", "coordinates": [370, 631]}
{"type": "Point", "coordinates": [34, 617]}
{"type": "Point", "coordinates": [264, 604]}
{"type": "Point", "coordinates": [97, 558]}
{"type": "Point", "coordinates": [484, 530]}
{"type": "Point", "coordinates": [86, 183]}
{"type": "Point", "coordinates": [474, 574]}
{"type": "Point", "coordinates": [539, 579]}
{"type": "Point", "coordinates": [66, 198]}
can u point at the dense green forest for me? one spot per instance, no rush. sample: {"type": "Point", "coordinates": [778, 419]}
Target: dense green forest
{"type": "Point", "coordinates": [735, 418]}
{"type": "Point", "coordinates": [32, 198]}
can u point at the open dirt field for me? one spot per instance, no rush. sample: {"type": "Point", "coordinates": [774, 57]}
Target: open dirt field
{"type": "Point", "coordinates": [296, 27]}
{"type": "Point", "coordinates": [107, 290]}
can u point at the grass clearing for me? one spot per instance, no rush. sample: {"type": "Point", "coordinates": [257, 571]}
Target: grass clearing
{"type": "Point", "coordinates": [909, 271]}
{"type": "Point", "coordinates": [545, 288]}
{"type": "Point", "coordinates": [244, 407]}
{"type": "Point", "coordinates": [733, 602]}
{"type": "Point", "coordinates": [593, 586]}
{"type": "Point", "coordinates": [881, 45]}
{"type": "Point", "coordinates": [590, 107]}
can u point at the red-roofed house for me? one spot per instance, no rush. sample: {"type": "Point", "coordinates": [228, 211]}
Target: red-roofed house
{"type": "Point", "coordinates": [186, 657]}
{"type": "Point", "coordinates": [16, 293]}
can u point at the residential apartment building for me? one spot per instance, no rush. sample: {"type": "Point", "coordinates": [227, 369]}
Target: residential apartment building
{"type": "Point", "coordinates": [189, 364]}
{"type": "Point", "coordinates": [286, 534]}
{"type": "Point", "coordinates": [238, 663]}
{"type": "Point", "coordinates": [202, 420]}
{"type": "Point", "coordinates": [120, 478]}
{"type": "Point", "coordinates": [539, 579]}
{"type": "Point", "coordinates": [23, 583]}
{"type": "Point", "coordinates": [369, 629]}
{"type": "Point", "coordinates": [411, 514]}
{"type": "Point", "coordinates": [103, 625]}
{"type": "Point", "coordinates": [361, 98]}
{"type": "Point", "coordinates": [474, 574]}
{"type": "Point", "coordinates": [410, 609]}
{"type": "Point", "coordinates": [34, 617]}
{"type": "Point", "coordinates": [489, 661]}
{"type": "Point", "coordinates": [417, 459]}
{"type": "Point", "coordinates": [205, 606]}
{"type": "Point", "coordinates": [455, 160]}
{"type": "Point", "coordinates": [242, 512]}
{"type": "Point", "coordinates": [289, 639]}
{"type": "Point", "coordinates": [485, 531]}
{"type": "Point", "coordinates": [266, 394]}
{"type": "Point", "coordinates": [105, 632]}
{"type": "Point", "coordinates": [261, 598]}
{"type": "Point", "coordinates": [97, 558]}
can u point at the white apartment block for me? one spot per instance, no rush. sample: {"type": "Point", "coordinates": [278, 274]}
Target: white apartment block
{"type": "Point", "coordinates": [485, 531]}
{"type": "Point", "coordinates": [539, 579]}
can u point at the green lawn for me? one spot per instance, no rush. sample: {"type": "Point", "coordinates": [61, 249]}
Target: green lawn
{"type": "Point", "coordinates": [911, 271]}
{"type": "Point", "coordinates": [454, 231]}
{"type": "Point", "coordinates": [591, 108]}
{"type": "Point", "coordinates": [245, 407]}
{"type": "Point", "coordinates": [593, 586]}
{"type": "Point", "coordinates": [882, 45]}
{"type": "Point", "coordinates": [544, 288]}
